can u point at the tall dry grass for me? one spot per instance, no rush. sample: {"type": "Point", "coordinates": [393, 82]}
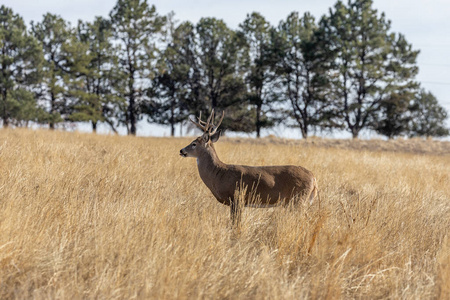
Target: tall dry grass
{"type": "Point", "coordinates": [85, 216]}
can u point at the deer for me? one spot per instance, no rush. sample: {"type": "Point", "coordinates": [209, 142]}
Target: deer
{"type": "Point", "coordinates": [257, 186]}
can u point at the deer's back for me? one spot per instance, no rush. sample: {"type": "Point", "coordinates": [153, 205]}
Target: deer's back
{"type": "Point", "coordinates": [268, 183]}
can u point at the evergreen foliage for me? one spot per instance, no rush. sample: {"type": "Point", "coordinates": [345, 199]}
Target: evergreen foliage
{"type": "Point", "coordinates": [302, 65]}
{"type": "Point", "coordinates": [174, 86]}
{"type": "Point", "coordinates": [221, 84]}
{"type": "Point", "coordinates": [369, 62]}
{"type": "Point", "coordinates": [53, 33]}
{"type": "Point", "coordinates": [94, 70]}
{"type": "Point", "coordinates": [427, 116]}
{"type": "Point", "coordinates": [347, 71]}
{"type": "Point", "coordinates": [136, 27]}
{"type": "Point", "coordinates": [259, 70]}
{"type": "Point", "coordinates": [20, 67]}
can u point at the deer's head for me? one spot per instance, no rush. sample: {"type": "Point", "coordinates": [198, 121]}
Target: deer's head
{"type": "Point", "coordinates": [202, 143]}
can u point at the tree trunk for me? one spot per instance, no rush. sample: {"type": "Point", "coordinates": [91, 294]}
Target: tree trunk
{"type": "Point", "coordinates": [172, 118]}
{"type": "Point", "coordinates": [258, 121]}
{"type": "Point", "coordinates": [305, 133]}
{"type": "Point", "coordinates": [131, 111]}
{"type": "Point", "coordinates": [5, 114]}
{"type": "Point", "coordinates": [94, 126]}
{"type": "Point", "coordinates": [132, 105]}
{"type": "Point", "coordinates": [111, 124]}
{"type": "Point", "coordinates": [52, 110]}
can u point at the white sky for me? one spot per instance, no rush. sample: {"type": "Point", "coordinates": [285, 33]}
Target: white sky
{"type": "Point", "coordinates": [425, 24]}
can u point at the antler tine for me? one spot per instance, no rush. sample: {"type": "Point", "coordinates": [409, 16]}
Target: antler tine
{"type": "Point", "coordinates": [200, 121]}
{"type": "Point", "coordinates": [211, 126]}
{"type": "Point", "coordinates": [197, 124]}
{"type": "Point", "coordinates": [208, 126]}
{"type": "Point", "coordinates": [200, 124]}
{"type": "Point", "coordinates": [208, 122]}
{"type": "Point", "coordinates": [215, 127]}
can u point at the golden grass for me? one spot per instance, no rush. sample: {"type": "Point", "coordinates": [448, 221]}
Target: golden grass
{"type": "Point", "coordinates": [85, 216]}
{"type": "Point", "coordinates": [413, 145]}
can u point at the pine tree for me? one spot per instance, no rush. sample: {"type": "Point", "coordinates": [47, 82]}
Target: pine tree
{"type": "Point", "coordinates": [173, 86]}
{"type": "Point", "coordinates": [393, 116]}
{"type": "Point", "coordinates": [20, 63]}
{"type": "Point", "coordinates": [53, 33]}
{"type": "Point", "coordinates": [370, 63]}
{"type": "Point", "coordinates": [221, 83]}
{"type": "Point", "coordinates": [302, 64]}
{"type": "Point", "coordinates": [427, 116]}
{"type": "Point", "coordinates": [259, 69]}
{"type": "Point", "coordinates": [92, 62]}
{"type": "Point", "coordinates": [136, 26]}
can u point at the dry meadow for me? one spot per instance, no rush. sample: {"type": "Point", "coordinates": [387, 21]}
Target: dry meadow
{"type": "Point", "coordinates": [108, 217]}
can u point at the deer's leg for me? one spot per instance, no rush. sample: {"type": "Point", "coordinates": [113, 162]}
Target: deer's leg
{"type": "Point", "coordinates": [235, 212]}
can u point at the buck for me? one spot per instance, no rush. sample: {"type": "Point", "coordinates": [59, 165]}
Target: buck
{"type": "Point", "coordinates": [257, 186]}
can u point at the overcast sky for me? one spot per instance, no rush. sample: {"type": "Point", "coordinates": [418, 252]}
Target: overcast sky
{"type": "Point", "coordinates": [425, 23]}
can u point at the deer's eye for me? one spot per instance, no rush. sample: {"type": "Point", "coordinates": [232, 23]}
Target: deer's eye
{"type": "Point", "coordinates": [194, 144]}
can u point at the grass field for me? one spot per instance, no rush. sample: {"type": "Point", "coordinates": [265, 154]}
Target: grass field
{"type": "Point", "coordinates": [107, 217]}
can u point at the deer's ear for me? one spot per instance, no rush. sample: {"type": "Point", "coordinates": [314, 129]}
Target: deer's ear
{"type": "Point", "coordinates": [205, 137]}
{"type": "Point", "coordinates": [215, 136]}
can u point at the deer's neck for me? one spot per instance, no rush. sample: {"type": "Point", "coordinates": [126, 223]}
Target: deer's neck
{"type": "Point", "coordinates": [210, 167]}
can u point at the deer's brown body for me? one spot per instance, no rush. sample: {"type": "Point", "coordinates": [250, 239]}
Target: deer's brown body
{"type": "Point", "coordinates": [263, 186]}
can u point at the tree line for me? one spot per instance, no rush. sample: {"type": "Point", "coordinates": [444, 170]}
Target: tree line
{"type": "Point", "coordinates": [346, 71]}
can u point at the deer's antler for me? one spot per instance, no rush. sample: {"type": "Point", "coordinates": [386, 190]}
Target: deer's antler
{"type": "Point", "coordinates": [208, 126]}
{"type": "Point", "coordinates": [214, 127]}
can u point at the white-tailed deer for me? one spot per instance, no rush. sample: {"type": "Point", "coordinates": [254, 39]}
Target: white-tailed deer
{"type": "Point", "coordinates": [264, 186]}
